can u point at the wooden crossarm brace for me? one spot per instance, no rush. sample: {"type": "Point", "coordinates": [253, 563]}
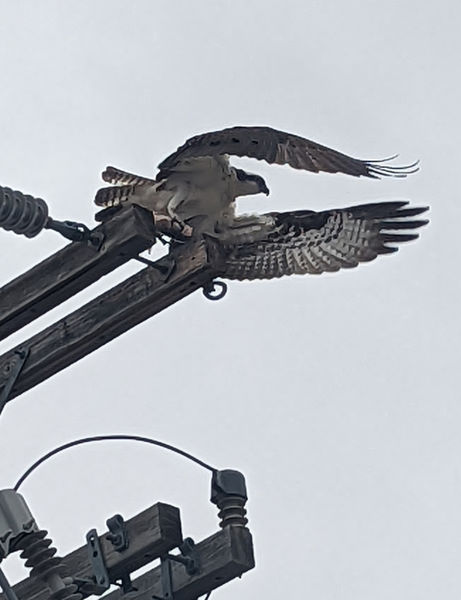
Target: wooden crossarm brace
{"type": "Point", "coordinates": [222, 557]}
{"type": "Point", "coordinates": [111, 314]}
{"type": "Point", "coordinates": [151, 533]}
{"type": "Point", "coordinates": [73, 268]}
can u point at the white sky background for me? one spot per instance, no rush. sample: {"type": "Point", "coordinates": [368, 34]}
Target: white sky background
{"type": "Point", "coordinates": [334, 395]}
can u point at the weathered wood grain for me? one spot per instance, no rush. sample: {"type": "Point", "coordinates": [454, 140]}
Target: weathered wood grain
{"type": "Point", "coordinates": [73, 268]}
{"type": "Point", "coordinates": [223, 557]}
{"type": "Point", "coordinates": [111, 314]}
{"type": "Point", "coordinates": [151, 533]}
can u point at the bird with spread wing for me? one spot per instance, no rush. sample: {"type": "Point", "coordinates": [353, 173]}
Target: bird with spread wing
{"type": "Point", "coordinates": [195, 190]}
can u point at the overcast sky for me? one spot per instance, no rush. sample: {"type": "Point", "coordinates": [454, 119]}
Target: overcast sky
{"type": "Point", "coordinates": [335, 395]}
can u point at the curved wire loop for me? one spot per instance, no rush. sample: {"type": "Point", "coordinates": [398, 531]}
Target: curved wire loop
{"type": "Point", "coordinates": [103, 438]}
{"type": "Point", "coordinates": [209, 290]}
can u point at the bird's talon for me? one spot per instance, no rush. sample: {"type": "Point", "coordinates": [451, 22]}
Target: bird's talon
{"type": "Point", "coordinates": [172, 226]}
{"type": "Point", "coordinates": [181, 227]}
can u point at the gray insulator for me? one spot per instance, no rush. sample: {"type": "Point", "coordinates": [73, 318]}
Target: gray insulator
{"type": "Point", "coordinates": [228, 492]}
{"type": "Point", "coordinates": [40, 558]}
{"type": "Point", "coordinates": [15, 520]}
{"type": "Point", "coordinates": [232, 511]}
{"type": "Point", "coordinates": [21, 213]}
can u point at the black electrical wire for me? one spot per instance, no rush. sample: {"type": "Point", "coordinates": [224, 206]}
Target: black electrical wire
{"type": "Point", "coordinates": [104, 438]}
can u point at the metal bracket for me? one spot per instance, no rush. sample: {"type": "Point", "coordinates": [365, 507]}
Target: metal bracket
{"type": "Point", "coordinates": [100, 581]}
{"type": "Point", "coordinates": [11, 374]}
{"type": "Point", "coordinates": [76, 232]}
{"type": "Point", "coordinates": [189, 551]}
{"type": "Point", "coordinates": [118, 535]}
{"type": "Point", "coordinates": [188, 557]}
{"type": "Point", "coordinates": [165, 265]}
{"type": "Point", "coordinates": [126, 584]}
{"type": "Point", "coordinates": [209, 290]}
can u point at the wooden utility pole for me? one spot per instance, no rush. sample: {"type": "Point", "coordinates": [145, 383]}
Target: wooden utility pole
{"type": "Point", "coordinates": [75, 267]}
{"type": "Point", "coordinates": [152, 535]}
{"type": "Point", "coordinates": [192, 569]}
{"type": "Point", "coordinates": [153, 532]}
{"type": "Point", "coordinates": [185, 269]}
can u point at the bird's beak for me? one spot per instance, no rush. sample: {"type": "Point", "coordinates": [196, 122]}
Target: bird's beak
{"type": "Point", "coordinates": [266, 191]}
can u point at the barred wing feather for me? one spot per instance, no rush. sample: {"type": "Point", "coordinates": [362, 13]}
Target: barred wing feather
{"type": "Point", "coordinates": [273, 146]}
{"type": "Point", "coordinates": [316, 242]}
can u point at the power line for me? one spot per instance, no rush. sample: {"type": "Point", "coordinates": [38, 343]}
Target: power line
{"type": "Point", "coordinates": [110, 437]}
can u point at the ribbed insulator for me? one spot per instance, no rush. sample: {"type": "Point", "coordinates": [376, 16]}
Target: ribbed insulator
{"type": "Point", "coordinates": [39, 554]}
{"type": "Point", "coordinates": [22, 213]}
{"type": "Point", "coordinates": [232, 511]}
{"type": "Point", "coordinates": [40, 558]}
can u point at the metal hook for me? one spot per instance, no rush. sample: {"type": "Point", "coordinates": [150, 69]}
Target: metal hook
{"type": "Point", "coordinates": [209, 290]}
{"type": "Point", "coordinates": [13, 370]}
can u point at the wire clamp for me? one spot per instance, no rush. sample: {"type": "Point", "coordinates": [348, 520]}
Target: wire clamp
{"type": "Point", "coordinates": [76, 232]}
{"type": "Point", "coordinates": [118, 535]}
{"type": "Point", "coordinates": [188, 557]}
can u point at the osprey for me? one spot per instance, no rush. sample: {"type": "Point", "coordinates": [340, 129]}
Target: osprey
{"type": "Point", "coordinates": [196, 187]}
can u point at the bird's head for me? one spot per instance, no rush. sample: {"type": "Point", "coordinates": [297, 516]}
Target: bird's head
{"type": "Point", "coordinates": [250, 183]}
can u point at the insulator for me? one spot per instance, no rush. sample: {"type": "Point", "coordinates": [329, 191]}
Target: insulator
{"type": "Point", "coordinates": [232, 511]}
{"type": "Point", "coordinates": [39, 554]}
{"type": "Point", "coordinates": [22, 213]}
{"type": "Point", "coordinates": [228, 492]}
{"type": "Point", "coordinates": [40, 558]}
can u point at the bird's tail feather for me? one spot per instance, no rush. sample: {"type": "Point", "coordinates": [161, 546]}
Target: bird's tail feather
{"type": "Point", "coordinates": [116, 176]}
{"type": "Point", "coordinates": [114, 195]}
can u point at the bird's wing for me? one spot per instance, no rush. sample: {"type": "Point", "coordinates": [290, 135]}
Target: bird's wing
{"type": "Point", "coordinates": [314, 242]}
{"type": "Point", "coordinates": [116, 176]}
{"type": "Point", "coordinates": [265, 143]}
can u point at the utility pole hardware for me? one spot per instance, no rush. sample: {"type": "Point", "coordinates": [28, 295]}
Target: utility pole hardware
{"type": "Point", "coordinates": [185, 269]}
{"type": "Point", "coordinates": [109, 559]}
{"type": "Point", "coordinates": [186, 569]}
